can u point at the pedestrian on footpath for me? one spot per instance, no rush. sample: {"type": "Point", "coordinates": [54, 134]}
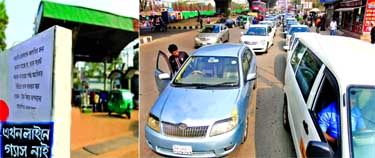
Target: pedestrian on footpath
{"type": "Point", "coordinates": [373, 33]}
{"type": "Point", "coordinates": [317, 24]}
{"type": "Point", "coordinates": [333, 27]}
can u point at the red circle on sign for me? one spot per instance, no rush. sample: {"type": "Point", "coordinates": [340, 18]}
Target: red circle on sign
{"type": "Point", "coordinates": [4, 111]}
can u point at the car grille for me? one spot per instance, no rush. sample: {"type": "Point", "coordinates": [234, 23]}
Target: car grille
{"type": "Point", "coordinates": [174, 130]}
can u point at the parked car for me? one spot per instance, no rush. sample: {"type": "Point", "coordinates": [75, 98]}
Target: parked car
{"type": "Point", "coordinates": [181, 125]}
{"type": "Point", "coordinates": [289, 21]}
{"type": "Point", "coordinates": [329, 97]}
{"type": "Point", "coordinates": [212, 34]}
{"type": "Point", "coordinates": [294, 29]}
{"type": "Point", "coordinates": [258, 37]}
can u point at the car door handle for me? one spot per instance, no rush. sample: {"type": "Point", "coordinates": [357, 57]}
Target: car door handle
{"type": "Point", "coordinates": [306, 127]}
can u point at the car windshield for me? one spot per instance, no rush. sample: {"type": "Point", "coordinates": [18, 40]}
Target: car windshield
{"type": "Point", "coordinates": [211, 29]}
{"type": "Point", "coordinates": [258, 31]}
{"type": "Point", "coordinates": [298, 29]}
{"type": "Point", "coordinates": [266, 23]}
{"type": "Point", "coordinates": [209, 71]}
{"type": "Point", "coordinates": [269, 19]}
{"type": "Point", "coordinates": [362, 121]}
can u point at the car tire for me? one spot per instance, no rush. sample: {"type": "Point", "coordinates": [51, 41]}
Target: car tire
{"type": "Point", "coordinates": [128, 115]}
{"type": "Point", "coordinates": [245, 133]}
{"type": "Point", "coordinates": [285, 115]}
{"type": "Point", "coordinates": [109, 113]}
{"type": "Point", "coordinates": [266, 48]}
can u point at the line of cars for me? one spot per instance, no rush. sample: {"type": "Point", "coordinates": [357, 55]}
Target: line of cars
{"type": "Point", "coordinates": [259, 37]}
{"type": "Point", "coordinates": [179, 124]}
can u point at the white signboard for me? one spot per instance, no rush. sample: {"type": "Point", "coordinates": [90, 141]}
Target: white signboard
{"type": "Point", "coordinates": [30, 67]}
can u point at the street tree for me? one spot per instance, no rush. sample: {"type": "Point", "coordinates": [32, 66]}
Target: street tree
{"type": "Point", "coordinates": [3, 25]}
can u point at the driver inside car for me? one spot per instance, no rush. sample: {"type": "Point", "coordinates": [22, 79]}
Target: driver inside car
{"type": "Point", "coordinates": [329, 120]}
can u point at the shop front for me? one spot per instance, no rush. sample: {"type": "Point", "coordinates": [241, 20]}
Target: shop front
{"type": "Point", "coordinates": [351, 18]}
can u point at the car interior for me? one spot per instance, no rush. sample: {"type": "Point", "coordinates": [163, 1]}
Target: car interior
{"type": "Point", "coordinates": [327, 94]}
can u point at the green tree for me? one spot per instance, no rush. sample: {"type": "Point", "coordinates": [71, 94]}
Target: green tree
{"type": "Point", "coordinates": [3, 25]}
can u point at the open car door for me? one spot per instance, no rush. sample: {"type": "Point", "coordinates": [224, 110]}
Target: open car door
{"type": "Point", "coordinates": [163, 71]}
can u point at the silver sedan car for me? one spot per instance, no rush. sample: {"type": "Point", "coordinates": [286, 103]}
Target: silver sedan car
{"type": "Point", "coordinates": [203, 110]}
{"type": "Point", "coordinates": [212, 34]}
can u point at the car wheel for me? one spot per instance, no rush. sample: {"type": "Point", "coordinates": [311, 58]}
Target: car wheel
{"type": "Point", "coordinates": [245, 133]}
{"type": "Point", "coordinates": [109, 113]}
{"type": "Point", "coordinates": [128, 114]}
{"type": "Point", "coordinates": [266, 48]}
{"type": "Point", "coordinates": [285, 115]}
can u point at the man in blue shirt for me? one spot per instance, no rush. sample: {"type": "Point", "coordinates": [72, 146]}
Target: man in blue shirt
{"type": "Point", "coordinates": [329, 120]}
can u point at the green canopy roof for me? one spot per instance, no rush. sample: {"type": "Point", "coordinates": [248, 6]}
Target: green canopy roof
{"type": "Point", "coordinates": [97, 35]}
{"type": "Point", "coordinates": [88, 16]}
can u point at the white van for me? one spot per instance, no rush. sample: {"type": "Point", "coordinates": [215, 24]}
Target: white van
{"type": "Point", "coordinates": [328, 79]}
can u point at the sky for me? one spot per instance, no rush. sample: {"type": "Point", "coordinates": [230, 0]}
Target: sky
{"type": "Point", "coordinates": [21, 14]}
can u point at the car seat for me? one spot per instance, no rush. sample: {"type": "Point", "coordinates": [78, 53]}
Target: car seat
{"type": "Point", "coordinates": [230, 72]}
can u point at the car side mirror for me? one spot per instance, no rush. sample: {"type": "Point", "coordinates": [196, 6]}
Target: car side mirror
{"type": "Point", "coordinates": [164, 76]}
{"type": "Point", "coordinates": [251, 76]}
{"type": "Point", "coordinates": [318, 149]}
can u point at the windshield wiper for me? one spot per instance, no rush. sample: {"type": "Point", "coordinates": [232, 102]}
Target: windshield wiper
{"type": "Point", "coordinates": [198, 85]}
{"type": "Point", "coordinates": [232, 84]}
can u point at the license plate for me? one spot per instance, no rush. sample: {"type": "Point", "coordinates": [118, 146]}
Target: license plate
{"type": "Point", "coordinates": [253, 43]}
{"type": "Point", "coordinates": [181, 149]}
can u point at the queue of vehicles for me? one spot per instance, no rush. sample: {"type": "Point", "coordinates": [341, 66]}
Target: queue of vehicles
{"type": "Point", "coordinates": [211, 127]}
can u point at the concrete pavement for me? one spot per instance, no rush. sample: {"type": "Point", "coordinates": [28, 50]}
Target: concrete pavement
{"type": "Point", "coordinates": [97, 135]}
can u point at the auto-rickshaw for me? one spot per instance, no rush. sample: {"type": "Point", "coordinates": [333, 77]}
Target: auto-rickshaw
{"type": "Point", "coordinates": [120, 102]}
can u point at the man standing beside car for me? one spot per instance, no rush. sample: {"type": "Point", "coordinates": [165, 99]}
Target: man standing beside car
{"type": "Point", "coordinates": [177, 57]}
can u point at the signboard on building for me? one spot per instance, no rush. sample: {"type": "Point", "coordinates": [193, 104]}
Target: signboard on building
{"type": "Point", "coordinates": [369, 15]}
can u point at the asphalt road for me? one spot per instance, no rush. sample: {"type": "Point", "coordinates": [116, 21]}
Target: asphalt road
{"type": "Point", "coordinates": [268, 138]}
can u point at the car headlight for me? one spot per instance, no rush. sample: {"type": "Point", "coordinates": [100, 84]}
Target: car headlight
{"type": "Point", "coordinates": [226, 125]}
{"type": "Point", "coordinates": [153, 123]}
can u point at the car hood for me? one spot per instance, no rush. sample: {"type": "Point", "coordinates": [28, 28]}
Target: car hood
{"type": "Point", "coordinates": [195, 106]}
{"type": "Point", "coordinates": [208, 35]}
{"type": "Point", "coordinates": [253, 38]}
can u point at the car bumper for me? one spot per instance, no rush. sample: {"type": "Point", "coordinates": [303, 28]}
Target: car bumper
{"type": "Point", "coordinates": [204, 43]}
{"type": "Point", "coordinates": [258, 48]}
{"type": "Point", "coordinates": [215, 146]}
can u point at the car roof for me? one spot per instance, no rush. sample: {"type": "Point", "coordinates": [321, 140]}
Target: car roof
{"type": "Point", "coordinates": [299, 25]}
{"type": "Point", "coordinates": [219, 24]}
{"type": "Point", "coordinates": [259, 25]}
{"type": "Point", "coordinates": [266, 21]}
{"type": "Point", "coordinates": [227, 50]}
{"type": "Point", "coordinates": [350, 60]}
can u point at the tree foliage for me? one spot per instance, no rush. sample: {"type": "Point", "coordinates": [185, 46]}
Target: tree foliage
{"type": "Point", "coordinates": [3, 25]}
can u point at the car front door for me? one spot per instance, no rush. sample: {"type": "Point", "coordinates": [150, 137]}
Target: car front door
{"type": "Point", "coordinates": [308, 76]}
{"type": "Point", "coordinates": [163, 72]}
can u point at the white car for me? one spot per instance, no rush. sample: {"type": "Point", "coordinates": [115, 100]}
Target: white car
{"type": "Point", "coordinates": [270, 23]}
{"type": "Point", "coordinates": [329, 96]}
{"type": "Point", "coordinates": [212, 34]}
{"type": "Point", "coordinates": [293, 29]}
{"type": "Point", "coordinates": [258, 37]}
